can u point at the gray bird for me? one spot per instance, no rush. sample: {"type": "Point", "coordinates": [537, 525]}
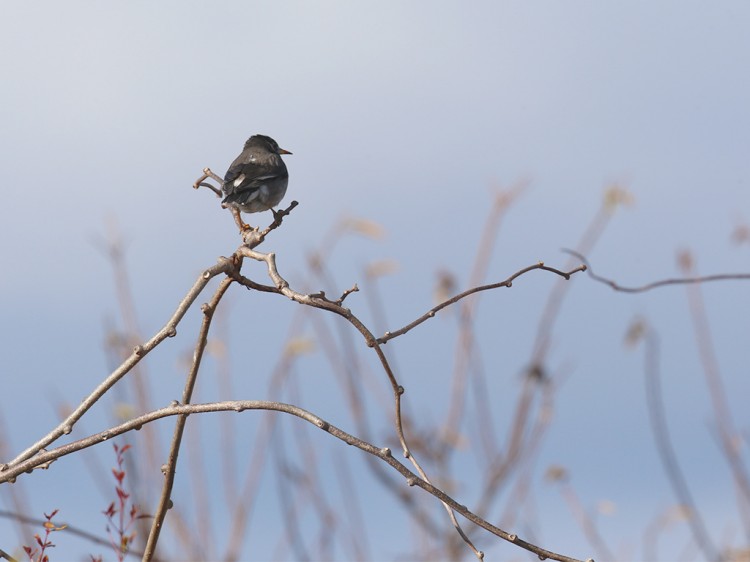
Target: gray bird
{"type": "Point", "coordinates": [256, 181]}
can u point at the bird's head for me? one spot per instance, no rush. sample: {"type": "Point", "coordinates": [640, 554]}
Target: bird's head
{"type": "Point", "coordinates": [267, 143]}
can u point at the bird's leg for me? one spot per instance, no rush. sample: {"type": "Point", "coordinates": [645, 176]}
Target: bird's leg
{"type": "Point", "coordinates": [240, 223]}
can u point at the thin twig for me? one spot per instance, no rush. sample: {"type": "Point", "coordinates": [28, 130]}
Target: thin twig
{"type": "Point", "coordinates": [655, 403]}
{"type": "Point", "coordinates": [656, 284]}
{"type": "Point", "coordinates": [585, 521]}
{"type": "Point", "coordinates": [728, 435]}
{"type": "Point", "coordinates": [346, 293]}
{"type": "Point", "coordinates": [507, 283]}
{"type": "Point", "coordinates": [69, 529]}
{"type": "Point", "coordinates": [520, 440]}
{"type": "Point", "coordinates": [466, 352]}
{"type": "Point", "coordinates": [140, 351]}
{"type": "Point", "coordinates": [171, 466]}
{"type": "Point", "coordinates": [207, 173]}
{"type": "Point", "coordinates": [254, 236]}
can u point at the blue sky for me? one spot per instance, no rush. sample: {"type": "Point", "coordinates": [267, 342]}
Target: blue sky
{"type": "Point", "coordinates": [410, 115]}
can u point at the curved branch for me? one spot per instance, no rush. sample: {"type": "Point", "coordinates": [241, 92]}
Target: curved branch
{"type": "Point", "coordinates": [656, 284]}
{"type": "Point", "coordinates": [320, 301]}
{"type": "Point", "coordinates": [384, 454]}
{"type": "Point", "coordinates": [667, 454]}
{"type": "Point", "coordinates": [507, 283]}
{"type": "Point", "coordinates": [200, 182]}
{"type": "Point", "coordinates": [139, 352]}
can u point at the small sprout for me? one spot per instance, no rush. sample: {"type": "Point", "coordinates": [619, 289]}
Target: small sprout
{"type": "Point", "coordinates": [636, 332]}
{"type": "Point", "coordinates": [299, 346]}
{"type": "Point", "coordinates": [556, 473]}
{"type": "Point", "coordinates": [380, 268]}
{"type": "Point", "coordinates": [365, 227]}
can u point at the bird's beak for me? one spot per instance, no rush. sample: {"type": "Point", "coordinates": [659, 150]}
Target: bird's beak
{"type": "Point", "coordinates": [282, 151]}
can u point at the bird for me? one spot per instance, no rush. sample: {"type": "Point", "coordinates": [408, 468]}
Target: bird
{"type": "Point", "coordinates": [256, 180]}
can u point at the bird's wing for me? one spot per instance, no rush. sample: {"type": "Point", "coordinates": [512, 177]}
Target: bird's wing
{"type": "Point", "coordinates": [246, 175]}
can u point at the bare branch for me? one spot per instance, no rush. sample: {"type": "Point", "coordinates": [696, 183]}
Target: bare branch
{"type": "Point", "coordinates": [507, 283]}
{"type": "Point", "coordinates": [664, 446]}
{"type": "Point", "coordinates": [253, 237]}
{"type": "Point", "coordinates": [346, 293]}
{"type": "Point", "coordinates": [171, 466]}
{"type": "Point", "coordinates": [207, 173]}
{"type": "Point", "coordinates": [656, 284]}
{"type": "Point", "coordinates": [728, 434]}
{"type": "Point", "coordinates": [384, 454]}
{"type": "Point", "coordinates": [139, 352]}
{"type": "Point", "coordinates": [36, 457]}
{"type": "Point", "coordinates": [319, 301]}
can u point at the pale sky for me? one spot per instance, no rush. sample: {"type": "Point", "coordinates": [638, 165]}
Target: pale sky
{"type": "Point", "coordinates": [410, 115]}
